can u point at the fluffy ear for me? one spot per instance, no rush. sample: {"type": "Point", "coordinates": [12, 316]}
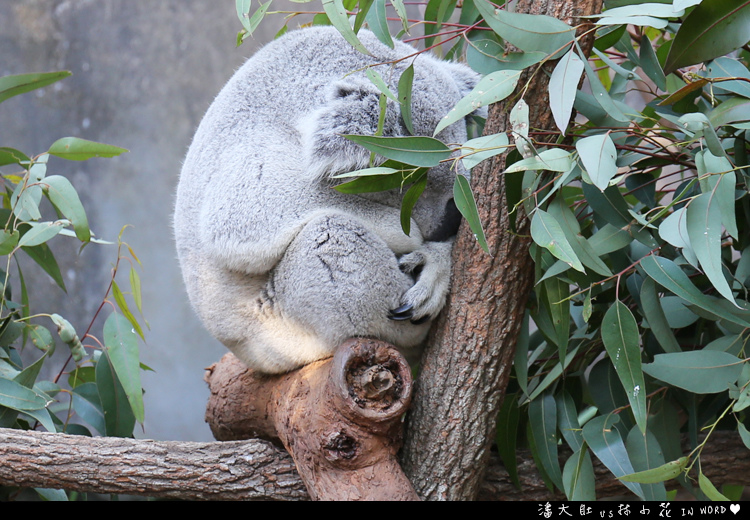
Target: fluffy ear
{"type": "Point", "coordinates": [352, 107]}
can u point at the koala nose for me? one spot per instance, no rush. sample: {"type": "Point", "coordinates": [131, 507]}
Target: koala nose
{"type": "Point", "coordinates": [448, 225]}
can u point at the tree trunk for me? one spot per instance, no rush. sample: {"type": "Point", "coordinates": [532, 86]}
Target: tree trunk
{"type": "Point", "coordinates": [466, 367]}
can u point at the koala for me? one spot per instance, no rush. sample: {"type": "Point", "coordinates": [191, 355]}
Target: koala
{"type": "Point", "coordinates": [282, 268]}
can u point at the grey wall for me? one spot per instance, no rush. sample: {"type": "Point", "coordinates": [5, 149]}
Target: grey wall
{"type": "Point", "coordinates": [143, 75]}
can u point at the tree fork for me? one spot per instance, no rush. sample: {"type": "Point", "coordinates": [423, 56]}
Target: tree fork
{"type": "Point", "coordinates": [465, 369]}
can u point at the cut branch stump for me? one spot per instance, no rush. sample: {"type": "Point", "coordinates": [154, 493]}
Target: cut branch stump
{"type": "Point", "coordinates": [340, 418]}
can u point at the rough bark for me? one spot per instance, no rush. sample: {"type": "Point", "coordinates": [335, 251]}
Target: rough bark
{"type": "Point", "coordinates": [340, 418]}
{"type": "Point", "coordinates": [466, 368]}
{"type": "Point", "coordinates": [257, 470]}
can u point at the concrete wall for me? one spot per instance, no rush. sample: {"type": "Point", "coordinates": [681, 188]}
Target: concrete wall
{"type": "Point", "coordinates": [143, 75]}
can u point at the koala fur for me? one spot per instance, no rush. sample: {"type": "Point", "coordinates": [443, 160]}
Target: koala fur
{"type": "Point", "coordinates": [282, 268]}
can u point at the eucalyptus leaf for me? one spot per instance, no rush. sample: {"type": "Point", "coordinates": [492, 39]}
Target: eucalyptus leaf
{"type": "Point", "coordinates": [418, 151]}
{"type": "Point", "coordinates": [337, 14]}
{"type": "Point", "coordinates": [75, 149]}
{"type": "Point", "coordinates": [121, 344]}
{"type": "Point", "coordinates": [697, 371]}
{"type": "Point", "coordinates": [14, 85]}
{"type": "Point", "coordinates": [464, 199]}
{"type": "Point", "coordinates": [477, 150]}
{"type": "Point", "coordinates": [563, 85]}
{"type": "Point", "coordinates": [543, 423]}
{"type": "Point", "coordinates": [599, 156]}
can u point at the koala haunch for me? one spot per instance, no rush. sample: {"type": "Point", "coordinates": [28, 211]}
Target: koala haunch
{"type": "Point", "coordinates": [280, 267]}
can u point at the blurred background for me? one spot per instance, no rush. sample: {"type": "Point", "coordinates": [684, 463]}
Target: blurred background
{"type": "Point", "coordinates": [144, 73]}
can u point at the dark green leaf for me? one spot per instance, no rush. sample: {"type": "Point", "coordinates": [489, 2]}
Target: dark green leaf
{"type": "Point", "coordinates": [621, 339]}
{"type": "Point", "coordinates": [650, 64]}
{"type": "Point", "coordinates": [16, 396]}
{"type": "Point", "coordinates": [645, 454]}
{"type": "Point", "coordinates": [409, 200]}
{"type": "Point", "coordinates": [418, 151]}
{"type": "Point", "coordinates": [64, 197]}
{"type": "Point", "coordinates": [712, 29]}
{"type": "Point", "coordinates": [543, 422]}
{"type": "Point", "coordinates": [466, 204]}
{"type": "Point", "coordinates": [698, 371]}
{"type": "Point", "coordinates": [88, 405]}
{"type": "Point", "coordinates": [578, 476]}
{"type": "Point", "coordinates": [376, 20]}
{"type": "Point", "coordinates": [12, 156]}
{"type": "Point", "coordinates": [118, 414]}
{"type": "Point", "coordinates": [506, 437]}
{"type": "Point", "coordinates": [43, 256]}
{"type": "Point", "coordinates": [655, 317]}
{"type": "Point", "coordinates": [404, 96]}
{"type": "Point", "coordinates": [567, 420]}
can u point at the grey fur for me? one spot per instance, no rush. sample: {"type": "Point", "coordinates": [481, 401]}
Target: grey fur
{"type": "Point", "coordinates": [280, 267]}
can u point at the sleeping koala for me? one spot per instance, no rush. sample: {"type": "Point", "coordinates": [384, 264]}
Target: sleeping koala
{"type": "Point", "coordinates": [282, 268]}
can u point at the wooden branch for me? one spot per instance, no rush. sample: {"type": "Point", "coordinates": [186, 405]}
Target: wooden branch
{"type": "Point", "coordinates": [466, 367]}
{"type": "Point", "coordinates": [257, 470]}
{"type": "Point", "coordinates": [339, 418]}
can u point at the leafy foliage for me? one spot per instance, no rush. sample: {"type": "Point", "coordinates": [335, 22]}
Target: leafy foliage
{"type": "Point", "coordinates": [101, 389]}
{"type": "Point", "coordinates": [640, 218]}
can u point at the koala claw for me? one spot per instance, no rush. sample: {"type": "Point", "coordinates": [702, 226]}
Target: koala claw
{"type": "Point", "coordinates": [421, 320]}
{"type": "Point", "coordinates": [403, 313]}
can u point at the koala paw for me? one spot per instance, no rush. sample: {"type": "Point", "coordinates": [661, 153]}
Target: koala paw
{"type": "Point", "coordinates": [430, 267]}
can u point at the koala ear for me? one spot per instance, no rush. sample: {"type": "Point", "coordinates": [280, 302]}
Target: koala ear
{"type": "Point", "coordinates": [351, 107]}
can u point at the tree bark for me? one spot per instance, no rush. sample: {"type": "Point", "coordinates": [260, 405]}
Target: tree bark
{"type": "Point", "coordinates": [466, 367]}
{"type": "Point", "coordinates": [257, 470]}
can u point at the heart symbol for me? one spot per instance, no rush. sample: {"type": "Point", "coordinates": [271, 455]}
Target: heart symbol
{"type": "Point", "coordinates": [734, 508]}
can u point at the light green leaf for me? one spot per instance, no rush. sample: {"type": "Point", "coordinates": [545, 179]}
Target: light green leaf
{"type": "Point", "coordinates": [418, 151]}
{"type": "Point", "coordinates": [563, 85]}
{"type": "Point", "coordinates": [697, 371]}
{"type": "Point", "coordinates": [660, 10]}
{"type": "Point", "coordinates": [704, 230]}
{"type": "Point", "coordinates": [646, 454]}
{"type": "Point", "coordinates": [552, 159]}
{"type": "Point", "coordinates": [121, 344]}
{"type": "Point", "coordinates": [606, 443]}
{"type": "Point", "coordinates": [40, 233]}
{"type": "Point", "coordinates": [481, 148]}
{"type": "Point", "coordinates": [662, 473]}
{"type": "Point", "coordinates": [712, 29]}
{"type": "Point", "coordinates": [490, 89]}
{"type": "Point", "coordinates": [398, 5]}
{"type": "Point", "coordinates": [725, 67]}
{"type": "Point", "coordinates": [709, 489]}
{"type": "Point", "coordinates": [599, 156]}
{"type": "Point", "coordinates": [528, 32]}
{"type": "Point", "coordinates": [621, 339]}
{"type": "Point", "coordinates": [14, 85]}
{"type": "Point", "coordinates": [600, 95]}
{"type": "Point", "coordinates": [75, 149]}
{"type": "Point", "coordinates": [64, 197]}
{"type": "Point", "coordinates": [546, 232]}
{"type": "Point", "coordinates": [650, 21]}
{"type": "Point", "coordinates": [8, 241]}
{"type": "Point", "coordinates": [744, 434]}
{"type": "Point", "coordinates": [337, 14]}
{"type": "Point", "coordinates": [377, 80]}
{"type": "Point", "coordinates": [650, 64]}
{"type": "Point", "coordinates": [380, 170]}
{"type": "Point", "coordinates": [466, 204]}
{"type": "Point", "coordinates": [123, 305]}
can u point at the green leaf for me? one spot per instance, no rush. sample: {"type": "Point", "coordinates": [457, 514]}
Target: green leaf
{"type": "Point", "coordinates": [43, 256]}
{"type": "Point", "coordinates": [418, 151]}
{"type": "Point", "coordinates": [621, 339]}
{"type": "Point", "coordinates": [563, 85]}
{"type": "Point", "coordinates": [667, 274]}
{"type": "Point", "coordinates": [698, 371]}
{"type": "Point", "coordinates": [404, 96]}
{"type": "Point", "coordinates": [599, 156]}
{"type": "Point", "coordinates": [660, 10]}
{"type": "Point", "coordinates": [744, 434]}
{"type": "Point", "coordinates": [464, 199]}
{"type": "Point", "coordinates": [487, 55]}
{"type": "Point", "coordinates": [725, 67]}
{"type": "Point", "coordinates": [376, 20]}
{"type": "Point", "coordinates": [88, 405]}
{"type": "Point", "coordinates": [337, 14]}
{"type": "Point", "coordinates": [364, 8]}
{"type": "Point", "coordinates": [481, 148]}
{"type": "Point", "coordinates": [709, 489]}
{"type": "Point", "coordinates": [662, 473]}
{"type": "Point", "coordinates": [528, 32]}
{"type": "Point", "coordinates": [12, 156]}
{"type": "Point", "coordinates": [704, 230]}
{"type": "Point", "coordinates": [398, 5]}
{"type": "Point", "coordinates": [645, 454]}
{"type": "Point", "coordinates": [121, 345]}
{"type": "Point", "coordinates": [567, 420]}
{"type": "Point", "coordinates": [377, 80]}
{"type": "Point", "coordinates": [409, 200]}
{"type": "Point", "coordinates": [553, 159]}
{"type": "Point", "coordinates": [380, 170]}
{"type": "Point", "coordinates": [712, 29]}
{"type": "Point", "coordinates": [490, 89]}
{"type": "Point", "coordinates": [64, 197]}
{"type": "Point", "coordinates": [16, 396]}
{"type": "Point", "coordinates": [40, 233]}
{"type": "Point", "coordinates": [75, 149]}
{"type": "Point", "coordinates": [506, 437]}
{"type": "Point", "coordinates": [13, 85]}
{"type": "Point", "coordinates": [606, 443]}
{"type": "Point", "coordinates": [649, 21]}
{"type": "Point", "coordinates": [650, 64]}
{"type": "Point", "coordinates": [600, 95]}
{"type": "Point", "coordinates": [135, 289]}
{"type": "Point", "coordinates": [657, 320]}
{"type": "Point", "coordinates": [546, 232]}
{"type": "Point", "coordinates": [52, 495]}
{"type": "Point", "coordinates": [123, 305]}
{"type": "Point", "coordinates": [543, 422]}
{"type": "Point", "coordinates": [8, 241]}
{"type": "Point", "coordinates": [578, 476]}
{"type": "Point", "coordinates": [118, 414]}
